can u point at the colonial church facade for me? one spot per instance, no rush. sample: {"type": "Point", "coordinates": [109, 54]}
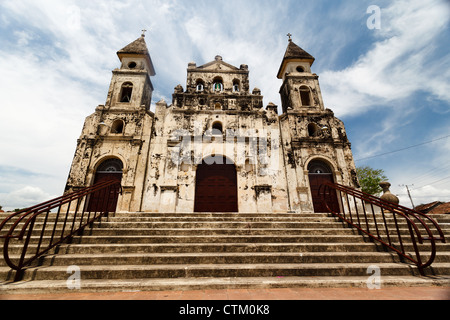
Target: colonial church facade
{"type": "Point", "coordinates": [215, 147]}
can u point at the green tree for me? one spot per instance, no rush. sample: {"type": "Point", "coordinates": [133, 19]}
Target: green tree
{"type": "Point", "coordinates": [369, 180]}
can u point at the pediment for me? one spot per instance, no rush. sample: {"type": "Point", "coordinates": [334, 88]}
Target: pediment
{"type": "Point", "coordinates": [217, 65]}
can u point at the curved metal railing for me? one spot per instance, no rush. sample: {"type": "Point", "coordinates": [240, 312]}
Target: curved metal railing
{"type": "Point", "coordinates": [45, 229]}
{"type": "Point", "coordinates": [383, 223]}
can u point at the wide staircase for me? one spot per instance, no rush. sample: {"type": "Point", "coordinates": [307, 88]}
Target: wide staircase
{"type": "Point", "coordinates": [169, 251]}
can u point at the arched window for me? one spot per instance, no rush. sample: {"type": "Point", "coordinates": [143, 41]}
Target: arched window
{"type": "Point", "coordinates": [217, 127]}
{"type": "Point", "coordinates": [305, 96]}
{"type": "Point", "coordinates": [127, 90]}
{"type": "Point", "coordinates": [110, 165]}
{"type": "Point", "coordinates": [200, 85]}
{"type": "Point", "coordinates": [317, 166]}
{"type": "Point", "coordinates": [218, 84]}
{"type": "Point", "coordinates": [117, 126]}
{"type": "Point", "coordinates": [236, 86]}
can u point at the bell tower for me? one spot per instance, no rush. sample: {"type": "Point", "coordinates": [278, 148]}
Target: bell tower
{"type": "Point", "coordinates": [131, 87]}
{"type": "Point", "coordinates": [300, 90]}
{"type": "Point", "coordinates": [116, 137]}
{"type": "Point", "coordinates": [315, 144]}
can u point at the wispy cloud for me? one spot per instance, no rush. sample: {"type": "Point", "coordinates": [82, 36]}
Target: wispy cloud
{"type": "Point", "coordinates": [24, 197]}
{"type": "Point", "coordinates": [397, 65]}
{"type": "Point", "coordinates": [56, 60]}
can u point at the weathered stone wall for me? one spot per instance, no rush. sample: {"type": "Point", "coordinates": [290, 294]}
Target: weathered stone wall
{"type": "Point", "coordinates": [97, 143]}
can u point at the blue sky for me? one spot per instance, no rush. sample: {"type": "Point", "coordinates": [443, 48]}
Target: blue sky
{"type": "Point", "coordinates": [390, 86]}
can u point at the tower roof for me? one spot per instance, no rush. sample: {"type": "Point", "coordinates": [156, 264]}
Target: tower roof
{"type": "Point", "coordinates": [294, 52]}
{"type": "Point", "coordinates": [137, 47]}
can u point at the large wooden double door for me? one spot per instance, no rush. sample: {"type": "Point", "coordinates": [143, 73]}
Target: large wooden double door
{"type": "Point", "coordinates": [216, 188]}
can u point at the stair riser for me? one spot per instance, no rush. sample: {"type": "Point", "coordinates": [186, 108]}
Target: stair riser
{"type": "Point", "coordinates": [229, 239]}
{"type": "Point", "coordinates": [114, 233]}
{"type": "Point", "coordinates": [207, 232]}
{"type": "Point", "coordinates": [183, 260]}
{"type": "Point", "coordinates": [151, 224]}
{"type": "Point", "coordinates": [300, 258]}
{"type": "Point", "coordinates": [199, 216]}
{"type": "Point", "coordinates": [206, 247]}
{"type": "Point", "coordinates": [213, 272]}
{"type": "Point", "coordinates": [208, 239]}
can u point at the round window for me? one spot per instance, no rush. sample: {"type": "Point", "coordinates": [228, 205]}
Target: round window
{"type": "Point", "coordinates": [132, 65]}
{"type": "Point", "coordinates": [300, 69]}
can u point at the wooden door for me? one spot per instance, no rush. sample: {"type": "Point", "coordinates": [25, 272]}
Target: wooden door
{"type": "Point", "coordinates": [106, 200]}
{"type": "Point", "coordinates": [216, 188]}
{"type": "Point", "coordinates": [315, 181]}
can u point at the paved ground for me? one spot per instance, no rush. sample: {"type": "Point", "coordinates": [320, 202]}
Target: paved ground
{"type": "Point", "coordinates": [408, 293]}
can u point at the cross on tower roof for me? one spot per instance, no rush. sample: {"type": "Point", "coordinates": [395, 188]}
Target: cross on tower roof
{"type": "Point", "coordinates": [143, 32]}
{"type": "Point", "coordinates": [289, 35]}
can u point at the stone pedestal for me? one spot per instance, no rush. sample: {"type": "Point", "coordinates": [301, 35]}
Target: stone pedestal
{"type": "Point", "coordinates": [387, 195]}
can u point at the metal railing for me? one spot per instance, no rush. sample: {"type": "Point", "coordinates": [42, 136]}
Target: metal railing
{"type": "Point", "coordinates": [385, 222]}
{"type": "Point", "coordinates": [40, 228]}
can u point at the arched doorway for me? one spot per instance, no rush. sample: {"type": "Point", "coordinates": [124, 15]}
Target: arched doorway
{"type": "Point", "coordinates": [216, 186]}
{"type": "Point", "coordinates": [110, 169]}
{"type": "Point", "coordinates": [318, 173]}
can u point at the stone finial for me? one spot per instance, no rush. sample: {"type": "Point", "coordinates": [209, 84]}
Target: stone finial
{"type": "Point", "coordinates": [256, 91]}
{"type": "Point", "coordinates": [273, 107]}
{"type": "Point", "coordinates": [387, 195]}
{"type": "Point", "coordinates": [179, 89]}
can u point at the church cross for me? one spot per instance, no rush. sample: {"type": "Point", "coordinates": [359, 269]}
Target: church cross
{"type": "Point", "coordinates": [143, 32]}
{"type": "Point", "coordinates": [289, 35]}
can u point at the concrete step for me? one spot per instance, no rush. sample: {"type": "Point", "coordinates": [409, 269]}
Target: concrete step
{"type": "Point", "coordinates": [217, 283]}
{"type": "Point", "coordinates": [207, 247]}
{"type": "Point", "coordinates": [213, 258]}
{"type": "Point", "coordinates": [232, 221]}
{"type": "Point", "coordinates": [441, 218]}
{"type": "Point", "coordinates": [130, 239]}
{"type": "Point", "coordinates": [118, 231]}
{"type": "Point", "coordinates": [219, 270]}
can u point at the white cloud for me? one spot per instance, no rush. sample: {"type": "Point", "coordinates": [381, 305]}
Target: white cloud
{"type": "Point", "coordinates": [24, 197]}
{"type": "Point", "coordinates": [397, 65]}
{"type": "Point", "coordinates": [422, 195]}
{"type": "Point", "coordinates": [57, 65]}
